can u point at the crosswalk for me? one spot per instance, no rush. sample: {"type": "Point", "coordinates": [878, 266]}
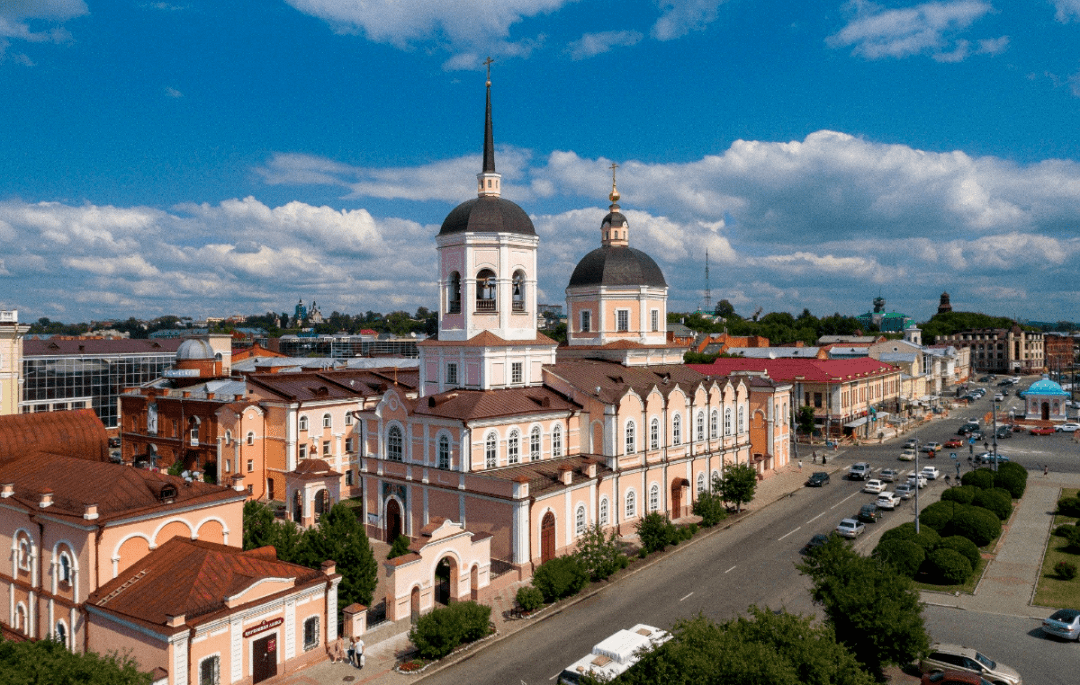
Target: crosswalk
{"type": "Point", "coordinates": [902, 474]}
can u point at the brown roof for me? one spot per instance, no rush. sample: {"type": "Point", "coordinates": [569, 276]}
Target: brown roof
{"type": "Point", "coordinates": [77, 433]}
{"type": "Point", "coordinates": [314, 469]}
{"type": "Point", "coordinates": [614, 379]}
{"type": "Point", "coordinates": [119, 491]}
{"type": "Point", "coordinates": [69, 348]}
{"type": "Point", "coordinates": [468, 405]}
{"type": "Point", "coordinates": [489, 339]}
{"type": "Point", "coordinates": [543, 476]}
{"type": "Point", "coordinates": [193, 578]}
{"type": "Point", "coordinates": [329, 385]}
{"type": "Point", "coordinates": [624, 345]}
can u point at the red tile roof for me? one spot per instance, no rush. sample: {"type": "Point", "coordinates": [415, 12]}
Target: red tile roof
{"type": "Point", "coordinates": [809, 370]}
{"type": "Point", "coordinates": [330, 385]}
{"type": "Point", "coordinates": [468, 405]}
{"type": "Point", "coordinates": [77, 433]}
{"type": "Point", "coordinates": [72, 348]}
{"type": "Point", "coordinates": [613, 379]}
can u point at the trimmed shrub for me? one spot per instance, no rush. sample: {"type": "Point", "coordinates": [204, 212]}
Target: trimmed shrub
{"type": "Point", "coordinates": [656, 532]}
{"type": "Point", "coordinates": [529, 598]}
{"type": "Point", "coordinates": [1065, 570]}
{"type": "Point", "coordinates": [1069, 506]}
{"type": "Point", "coordinates": [995, 500]}
{"type": "Point", "coordinates": [939, 514]}
{"type": "Point", "coordinates": [1072, 539]}
{"type": "Point", "coordinates": [980, 478]}
{"type": "Point", "coordinates": [1062, 530]}
{"type": "Point", "coordinates": [961, 493]}
{"type": "Point", "coordinates": [964, 546]}
{"type": "Point", "coordinates": [560, 577]}
{"type": "Point", "coordinates": [439, 632]}
{"type": "Point", "coordinates": [1012, 477]}
{"type": "Point", "coordinates": [927, 537]}
{"type": "Point", "coordinates": [710, 507]}
{"type": "Point", "coordinates": [905, 556]}
{"type": "Point", "coordinates": [947, 566]}
{"type": "Point", "coordinates": [979, 525]}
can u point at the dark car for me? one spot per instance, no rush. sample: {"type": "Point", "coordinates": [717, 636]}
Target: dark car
{"type": "Point", "coordinates": [869, 513]}
{"type": "Point", "coordinates": [1004, 432]}
{"type": "Point", "coordinates": [819, 540]}
{"type": "Point", "coordinates": [817, 479]}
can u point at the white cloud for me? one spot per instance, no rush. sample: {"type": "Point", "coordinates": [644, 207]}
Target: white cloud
{"type": "Point", "coordinates": [173, 93]}
{"type": "Point", "coordinates": [680, 17]}
{"type": "Point", "coordinates": [592, 44]}
{"type": "Point", "coordinates": [1067, 10]}
{"type": "Point", "coordinates": [929, 28]}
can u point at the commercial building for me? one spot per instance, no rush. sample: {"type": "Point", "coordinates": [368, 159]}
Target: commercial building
{"type": "Point", "coordinates": [1001, 350]}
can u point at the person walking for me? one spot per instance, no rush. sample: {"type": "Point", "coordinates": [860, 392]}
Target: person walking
{"type": "Point", "coordinates": [814, 453]}
{"type": "Point", "coordinates": [358, 652]}
{"type": "Point", "coordinates": [1046, 470]}
{"type": "Point", "coordinates": [337, 651]}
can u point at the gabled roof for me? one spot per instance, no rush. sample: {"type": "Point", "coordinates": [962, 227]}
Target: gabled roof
{"type": "Point", "coordinates": [193, 578]}
{"type": "Point", "coordinates": [334, 385]}
{"type": "Point", "coordinates": [78, 433]}
{"type": "Point", "coordinates": [471, 405]}
{"type": "Point", "coordinates": [609, 381]}
{"type": "Point", "coordinates": [810, 370]}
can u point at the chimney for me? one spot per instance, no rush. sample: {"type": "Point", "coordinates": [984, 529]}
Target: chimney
{"type": "Point", "coordinates": [90, 513]}
{"type": "Point", "coordinates": [175, 620]}
{"type": "Point", "coordinates": [45, 498]}
{"type": "Point", "coordinates": [238, 482]}
{"type": "Point", "coordinates": [566, 474]}
{"type": "Point", "coordinates": [329, 567]}
{"type": "Point", "coordinates": [590, 469]}
{"type": "Point", "coordinates": [7, 490]}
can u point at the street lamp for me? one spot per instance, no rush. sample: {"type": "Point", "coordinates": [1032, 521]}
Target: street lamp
{"type": "Point", "coordinates": [995, 404]}
{"type": "Point", "coordinates": [916, 478]}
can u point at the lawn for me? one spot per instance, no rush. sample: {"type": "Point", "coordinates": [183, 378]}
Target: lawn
{"type": "Point", "coordinates": [1053, 591]}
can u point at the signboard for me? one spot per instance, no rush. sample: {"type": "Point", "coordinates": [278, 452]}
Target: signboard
{"type": "Point", "coordinates": [373, 519]}
{"type": "Point", "coordinates": [263, 627]}
{"type": "Point", "coordinates": [181, 373]}
{"type": "Point", "coordinates": [952, 454]}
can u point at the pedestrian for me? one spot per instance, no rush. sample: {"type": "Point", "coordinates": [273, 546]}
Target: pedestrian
{"type": "Point", "coordinates": [800, 463]}
{"type": "Point", "coordinates": [337, 651]}
{"type": "Point", "coordinates": [358, 652]}
{"type": "Point", "coordinates": [823, 460]}
{"type": "Point", "coordinates": [815, 453]}
{"type": "Point", "coordinates": [1046, 470]}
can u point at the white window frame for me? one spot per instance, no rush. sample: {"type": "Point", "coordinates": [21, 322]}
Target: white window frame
{"type": "Point", "coordinates": [556, 440]}
{"type": "Point", "coordinates": [604, 511]}
{"type": "Point", "coordinates": [444, 452]}
{"type": "Point", "coordinates": [302, 423]}
{"type": "Point", "coordinates": [742, 419]}
{"type": "Point", "coordinates": [308, 646]}
{"type": "Point", "coordinates": [513, 447]}
{"type": "Point", "coordinates": [654, 434]}
{"type": "Point", "coordinates": [654, 497]}
{"type": "Point", "coordinates": [580, 521]}
{"type": "Point", "coordinates": [714, 424]}
{"type": "Point", "coordinates": [451, 373]}
{"type": "Point", "coordinates": [727, 421]}
{"type": "Point", "coordinates": [700, 428]}
{"type": "Point", "coordinates": [215, 678]}
{"type": "Point", "coordinates": [656, 321]}
{"type": "Point", "coordinates": [327, 421]}
{"type": "Point", "coordinates": [630, 433]}
{"type": "Point", "coordinates": [536, 441]}
{"type": "Point", "coordinates": [630, 504]}
{"type": "Point", "coordinates": [251, 437]}
{"type": "Point", "coordinates": [491, 450]}
{"type": "Point", "coordinates": [676, 430]}
{"type": "Point", "coordinates": [585, 325]}
{"type": "Point", "coordinates": [517, 373]}
{"type": "Point", "coordinates": [701, 483]}
{"type": "Point", "coordinates": [391, 447]}
{"type": "Point", "coordinates": [622, 320]}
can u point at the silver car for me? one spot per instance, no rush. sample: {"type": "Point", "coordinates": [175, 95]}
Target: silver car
{"type": "Point", "coordinates": [850, 528]}
{"type": "Point", "coordinates": [1063, 623]}
{"type": "Point", "coordinates": [943, 656]}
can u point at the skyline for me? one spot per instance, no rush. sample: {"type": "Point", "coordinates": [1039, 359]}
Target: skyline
{"type": "Point", "coordinates": [190, 159]}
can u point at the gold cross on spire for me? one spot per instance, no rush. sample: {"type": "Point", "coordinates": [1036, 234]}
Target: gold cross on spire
{"type": "Point", "coordinates": [487, 63]}
{"type": "Point", "coordinates": [614, 193]}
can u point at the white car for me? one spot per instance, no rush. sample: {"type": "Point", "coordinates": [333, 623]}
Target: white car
{"type": "Point", "coordinates": [1069, 427]}
{"type": "Point", "coordinates": [930, 472]}
{"type": "Point", "coordinates": [850, 528]}
{"type": "Point", "coordinates": [920, 478]}
{"type": "Point", "coordinates": [873, 486]}
{"type": "Point", "coordinates": [887, 500]}
{"type": "Point", "coordinates": [999, 397]}
{"type": "Point", "coordinates": [907, 455]}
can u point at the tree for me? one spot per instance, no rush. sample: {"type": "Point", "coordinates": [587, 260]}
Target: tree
{"type": "Point", "coordinates": [599, 553]}
{"type": "Point", "coordinates": [339, 536]}
{"type": "Point", "coordinates": [655, 531]}
{"type": "Point", "coordinates": [49, 661]}
{"type": "Point", "coordinates": [710, 507]}
{"type": "Point", "coordinates": [262, 529]}
{"type": "Point", "coordinates": [400, 547]}
{"type": "Point", "coordinates": [737, 484]}
{"type": "Point", "coordinates": [778, 649]}
{"type": "Point", "coordinates": [872, 609]}
{"type": "Point", "coordinates": [804, 419]}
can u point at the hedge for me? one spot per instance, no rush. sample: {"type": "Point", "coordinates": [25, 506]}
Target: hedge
{"type": "Point", "coordinates": [560, 577]}
{"type": "Point", "coordinates": [947, 566]}
{"type": "Point", "coordinates": [964, 546]}
{"type": "Point", "coordinates": [927, 538]}
{"type": "Point", "coordinates": [980, 478]}
{"type": "Point", "coordinates": [906, 556]}
{"type": "Point", "coordinates": [979, 525]}
{"type": "Point", "coordinates": [1069, 506]}
{"type": "Point", "coordinates": [939, 514]}
{"type": "Point", "coordinates": [529, 598]}
{"type": "Point", "coordinates": [1072, 538]}
{"type": "Point", "coordinates": [1012, 477]}
{"type": "Point", "coordinates": [960, 493]}
{"type": "Point", "coordinates": [996, 500]}
{"type": "Point", "coordinates": [439, 632]}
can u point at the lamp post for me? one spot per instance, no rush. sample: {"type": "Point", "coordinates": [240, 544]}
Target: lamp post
{"type": "Point", "coordinates": [916, 478]}
{"type": "Point", "coordinates": [995, 404]}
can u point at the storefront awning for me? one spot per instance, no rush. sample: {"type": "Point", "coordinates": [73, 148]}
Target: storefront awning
{"type": "Point", "coordinates": [856, 423]}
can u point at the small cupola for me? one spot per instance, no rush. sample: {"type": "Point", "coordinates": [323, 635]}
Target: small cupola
{"type": "Point", "coordinates": [614, 231]}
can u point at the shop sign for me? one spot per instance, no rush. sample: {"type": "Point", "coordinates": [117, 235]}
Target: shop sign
{"type": "Point", "coordinates": [263, 627]}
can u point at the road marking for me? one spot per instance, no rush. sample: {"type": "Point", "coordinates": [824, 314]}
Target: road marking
{"type": "Point", "coordinates": [845, 499]}
{"type": "Point", "coordinates": [555, 676]}
{"type": "Point", "coordinates": [816, 518]}
{"type": "Point", "coordinates": [786, 534]}
{"type": "Point", "coordinates": [730, 569]}
{"type": "Point", "coordinates": [686, 597]}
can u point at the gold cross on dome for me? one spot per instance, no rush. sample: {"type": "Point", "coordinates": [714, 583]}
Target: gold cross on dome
{"type": "Point", "coordinates": [613, 167]}
{"type": "Point", "coordinates": [487, 63]}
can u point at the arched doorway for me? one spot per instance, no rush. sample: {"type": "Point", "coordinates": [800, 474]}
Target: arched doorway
{"type": "Point", "coordinates": [446, 578]}
{"type": "Point", "coordinates": [298, 507]}
{"type": "Point", "coordinates": [322, 503]}
{"type": "Point", "coordinates": [676, 498]}
{"type": "Point", "coordinates": [547, 537]}
{"type": "Point", "coordinates": [1045, 411]}
{"type": "Point", "coordinates": [393, 520]}
{"type": "Point", "coordinates": [414, 605]}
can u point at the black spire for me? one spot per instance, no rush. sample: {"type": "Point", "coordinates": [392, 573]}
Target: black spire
{"type": "Point", "coordinates": [489, 140]}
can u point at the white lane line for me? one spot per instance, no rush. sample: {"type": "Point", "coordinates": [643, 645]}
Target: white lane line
{"type": "Point", "coordinates": [686, 597]}
{"type": "Point", "coordinates": [816, 518]}
{"type": "Point", "coordinates": [552, 677]}
{"type": "Point", "coordinates": [730, 569]}
{"type": "Point", "coordinates": [786, 534]}
{"type": "Point", "coordinates": [854, 494]}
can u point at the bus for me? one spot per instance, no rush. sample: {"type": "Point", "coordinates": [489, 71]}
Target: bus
{"type": "Point", "coordinates": [615, 654]}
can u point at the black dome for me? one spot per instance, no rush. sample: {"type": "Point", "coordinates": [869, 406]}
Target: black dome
{"type": "Point", "coordinates": [487, 214]}
{"type": "Point", "coordinates": [615, 265]}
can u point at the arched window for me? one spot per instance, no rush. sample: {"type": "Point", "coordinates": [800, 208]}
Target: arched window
{"type": "Point", "coordinates": [444, 452]}
{"type": "Point", "coordinates": [534, 444]}
{"type": "Point", "coordinates": [654, 497]}
{"type": "Point", "coordinates": [714, 425]}
{"type": "Point", "coordinates": [20, 618]}
{"type": "Point", "coordinates": [228, 437]}
{"type": "Point", "coordinates": [727, 421]}
{"type": "Point", "coordinates": [209, 670]}
{"type": "Point", "coordinates": [631, 443]}
{"type": "Point", "coordinates": [485, 291]}
{"type": "Point", "coordinates": [742, 419]}
{"type": "Point", "coordinates": [251, 438]}
{"type": "Point", "coordinates": [556, 440]}
{"type": "Point", "coordinates": [579, 521]}
{"type": "Point", "coordinates": [700, 426]}
{"type": "Point", "coordinates": [715, 477]}
{"type": "Point", "coordinates": [24, 554]}
{"type": "Point", "coordinates": [654, 434]}
{"type": "Point", "coordinates": [65, 568]}
{"type": "Point", "coordinates": [603, 511]}
{"type": "Point", "coordinates": [61, 633]}
{"type": "Point", "coordinates": [394, 444]}
{"type": "Point", "coordinates": [518, 291]}
{"type": "Point", "coordinates": [303, 422]}
{"type": "Point", "coordinates": [453, 294]}
{"type": "Point", "coordinates": [701, 483]}
{"type": "Point", "coordinates": [311, 633]}
{"type": "Point", "coordinates": [631, 505]}
{"type": "Point", "coordinates": [491, 453]}
{"type": "Point", "coordinates": [298, 506]}
{"type": "Point", "coordinates": [513, 447]}
{"type": "Point", "coordinates": [327, 421]}
{"type": "Point", "coordinates": [676, 430]}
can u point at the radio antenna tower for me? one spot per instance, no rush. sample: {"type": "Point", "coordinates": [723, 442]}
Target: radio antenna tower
{"type": "Point", "coordinates": [708, 292]}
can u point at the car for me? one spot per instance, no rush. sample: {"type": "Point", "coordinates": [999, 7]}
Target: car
{"type": "Point", "coordinates": [931, 472]}
{"type": "Point", "coordinates": [850, 528]}
{"type": "Point", "coordinates": [905, 490]}
{"type": "Point", "coordinates": [1000, 397]}
{"type": "Point", "coordinates": [888, 475]}
{"type": "Point", "coordinates": [868, 513]}
{"type": "Point", "coordinates": [967, 428]}
{"type": "Point", "coordinates": [1068, 427]}
{"type": "Point", "coordinates": [817, 479]}
{"type": "Point", "coordinates": [873, 486]}
{"type": "Point", "coordinates": [917, 477]}
{"type": "Point", "coordinates": [955, 442]}
{"type": "Point", "coordinates": [989, 458]}
{"type": "Point", "coordinates": [951, 677]}
{"type": "Point", "coordinates": [1041, 430]}
{"type": "Point", "coordinates": [968, 397]}
{"type": "Point", "coordinates": [911, 444]}
{"type": "Point", "coordinates": [931, 447]}
{"type": "Point", "coordinates": [1005, 392]}
{"type": "Point", "coordinates": [815, 542]}
{"type": "Point", "coordinates": [1063, 623]}
{"type": "Point", "coordinates": [860, 470]}
{"type": "Point", "coordinates": [907, 455]}
{"type": "Point", "coordinates": [887, 500]}
{"type": "Point", "coordinates": [1004, 432]}
{"type": "Point", "coordinates": [954, 657]}
{"type": "Point", "coordinates": [975, 435]}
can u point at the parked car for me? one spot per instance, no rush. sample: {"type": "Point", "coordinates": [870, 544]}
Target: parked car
{"type": "Point", "coordinates": [1063, 623]}
{"type": "Point", "coordinates": [1068, 427]}
{"type": "Point", "coordinates": [952, 677]}
{"type": "Point", "coordinates": [887, 500]}
{"type": "Point", "coordinates": [869, 513]}
{"type": "Point", "coordinates": [945, 657]}
{"type": "Point", "coordinates": [873, 486]}
{"type": "Point", "coordinates": [931, 472]}
{"type": "Point", "coordinates": [817, 479]}
{"type": "Point", "coordinates": [1000, 397]}
{"type": "Point", "coordinates": [888, 475]}
{"type": "Point", "coordinates": [955, 442]}
{"type": "Point", "coordinates": [907, 455]}
{"type": "Point", "coordinates": [850, 528]}
{"type": "Point", "coordinates": [860, 470]}
{"type": "Point", "coordinates": [931, 447]}
{"type": "Point", "coordinates": [905, 490]}
{"type": "Point", "coordinates": [1041, 430]}
{"type": "Point", "coordinates": [913, 478]}
{"type": "Point", "coordinates": [815, 542]}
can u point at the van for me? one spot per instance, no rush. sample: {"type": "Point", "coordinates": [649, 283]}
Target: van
{"type": "Point", "coordinates": [615, 654]}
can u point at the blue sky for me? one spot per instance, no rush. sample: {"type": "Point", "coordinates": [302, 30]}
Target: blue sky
{"type": "Point", "coordinates": [198, 157]}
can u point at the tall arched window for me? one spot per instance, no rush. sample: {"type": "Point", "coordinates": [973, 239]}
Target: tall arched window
{"type": "Point", "coordinates": [485, 291]}
{"type": "Point", "coordinates": [603, 511]}
{"type": "Point", "coordinates": [579, 521]}
{"type": "Point", "coordinates": [394, 444]}
{"type": "Point", "coordinates": [65, 568]}
{"type": "Point", "coordinates": [676, 430]}
{"type": "Point", "coordinates": [701, 483]}
{"type": "Point", "coordinates": [727, 421]}
{"type": "Point", "coordinates": [61, 633]}
{"type": "Point", "coordinates": [453, 294]}
{"type": "Point", "coordinates": [534, 444]}
{"type": "Point", "coordinates": [700, 426]}
{"type": "Point", "coordinates": [654, 434]}
{"type": "Point", "coordinates": [742, 419]}
{"type": "Point", "coordinates": [654, 497]}
{"type": "Point", "coordinates": [556, 440]}
{"type": "Point", "coordinates": [491, 451]}
{"type": "Point", "coordinates": [303, 423]}
{"type": "Point", "coordinates": [631, 443]}
{"type": "Point", "coordinates": [714, 425]}
{"type": "Point", "coordinates": [444, 452]}
{"type": "Point", "coordinates": [518, 291]}
{"type": "Point", "coordinates": [251, 438]}
{"type": "Point", "coordinates": [631, 505]}
{"type": "Point", "coordinates": [513, 447]}
{"type": "Point", "coordinates": [327, 422]}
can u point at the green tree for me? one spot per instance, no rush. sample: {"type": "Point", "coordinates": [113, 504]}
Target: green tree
{"type": "Point", "coordinates": [49, 661]}
{"type": "Point", "coordinates": [655, 531]}
{"type": "Point", "coordinates": [873, 609]}
{"type": "Point", "coordinates": [262, 529]}
{"type": "Point", "coordinates": [599, 553]}
{"type": "Point", "coordinates": [737, 484]}
{"type": "Point", "coordinates": [399, 547]}
{"type": "Point", "coordinates": [710, 507]}
{"type": "Point", "coordinates": [765, 648]}
{"type": "Point", "coordinates": [804, 419]}
{"type": "Point", "coordinates": [339, 536]}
